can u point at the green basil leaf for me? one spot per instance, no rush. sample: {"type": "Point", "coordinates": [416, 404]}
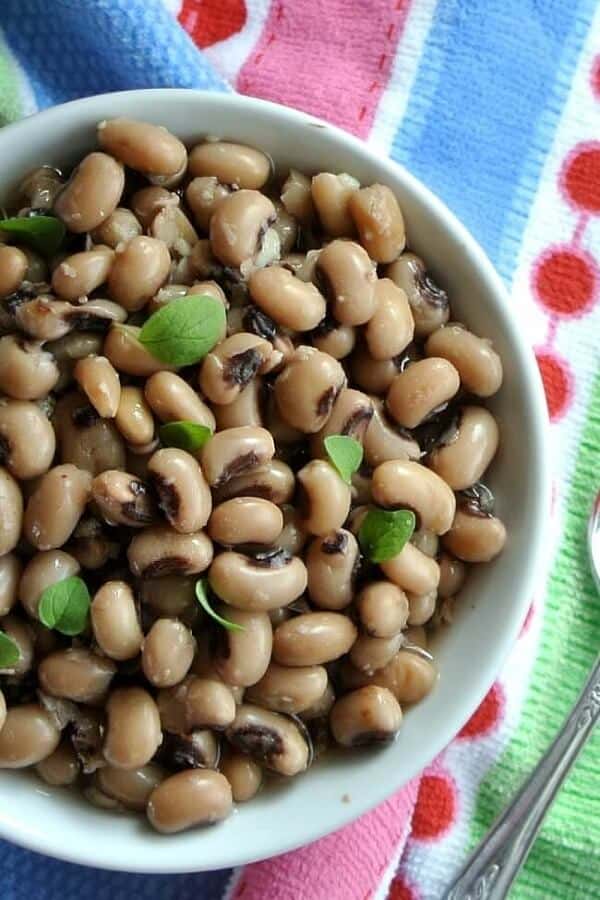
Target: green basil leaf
{"type": "Point", "coordinates": [182, 333]}
{"type": "Point", "coordinates": [384, 532]}
{"type": "Point", "coordinates": [202, 597]}
{"type": "Point", "coordinates": [44, 234]}
{"type": "Point", "coordinates": [345, 453]}
{"type": "Point", "coordinates": [9, 652]}
{"type": "Point", "coordinates": [65, 606]}
{"type": "Point", "coordinates": [184, 435]}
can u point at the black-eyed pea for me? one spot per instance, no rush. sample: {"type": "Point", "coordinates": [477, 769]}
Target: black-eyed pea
{"type": "Point", "coordinates": [415, 636]}
{"type": "Point", "coordinates": [167, 653]}
{"type": "Point", "coordinates": [133, 732]}
{"type": "Point", "coordinates": [208, 704]}
{"type": "Point", "coordinates": [312, 639]}
{"type": "Point", "coordinates": [171, 703]}
{"type": "Point", "coordinates": [465, 457]}
{"type": "Point", "coordinates": [288, 689]}
{"type": "Point", "coordinates": [243, 774]}
{"type": "Point", "coordinates": [382, 608]}
{"type": "Point", "coordinates": [68, 349]}
{"type": "Point", "coordinates": [10, 575]}
{"type": "Point", "coordinates": [148, 201]}
{"type": "Point", "coordinates": [27, 441]}
{"type": "Point", "coordinates": [92, 193]}
{"type": "Point", "coordinates": [241, 658]}
{"type": "Point", "coordinates": [43, 570]}
{"type": "Point", "coordinates": [76, 674]}
{"type": "Point", "coordinates": [427, 541]}
{"type": "Point", "coordinates": [173, 400]}
{"type": "Point", "coordinates": [56, 505]}
{"type": "Point", "coordinates": [2, 710]}
{"type": "Point", "coordinates": [27, 371]}
{"type": "Point", "coordinates": [130, 787]}
{"type": "Point", "coordinates": [350, 416]}
{"type": "Point", "coordinates": [321, 707]}
{"type": "Point", "coordinates": [409, 676]}
{"type": "Point", "coordinates": [84, 439]}
{"type": "Point", "coordinates": [200, 749]}
{"type": "Point", "coordinates": [123, 499]}
{"type": "Point", "coordinates": [147, 148]}
{"type": "Point", "coordinates": [325, 497]}
{"type": "Point", "coordinates": [124, 350]}
{"type": "Point", "coordinates": [260, 582]}
{"type": "Point", "coordinates": [171, 226]}
{"type": "Point", "coordinates": [61, 768]}
{"type": "Point", "coordinates": [421, 607]}
{"type": "Point", "coordinates": [119, 228]}
{"type": "Point", "coordinates": [245, 520]}
{"type": "Point", "coordinates": [428, 302]}
{"type": "Point", "coordinates": [100, 383]}
{"type": "Point", "coordinates": [245, 410]}
{"type": "Point", "coordinates": [285, 227]}
{"type": "Point", "coordinates": [369, 715]}
{"type": "Point", "coordinates": [475, 536]}
{"type": "Point", "coordinates": [81, 273]}
{"type": "Point", "coordinates": [235, 452]}
{"type": "Point", "coordinates": [160, 550]}
{"type": "Point", "coordinates": [183, 495]}
{"type": "Point", "coordinates": [420, 389]}
{"type": "Point", "coordinates": [41, 186]}
{"type": "Point", "coordinates": [232, 364]}
{"type": "Point", "coordinates": [379, 221]}
{"type": "Point", "coordinates": [22, 636]}
{"type": "Point", "coordinates": [361, 486]}
{"type": "Point", "coordinates": [239, 226]}
{"type": "Point", "coordinates": [233, 164]}
{"type": "Point", "coordinates": [368, 654]}
{"type": "Point", "coordinates": [411, 570]}
{"type": "Point", "coordinates": [373, 376]}
{"type": "Point", "coordinates": [204, 195]}
{"type": "Point", "coordinates": [335, 339]}
{"type": "Point", "coordinates": [138, 270]}
{"type": "Point", "coordinates": [115, 621]}
{"type": "Point", "coordinates": [44, 319]}
{"type": "Point", "coordinates": [350, 281]}
{"type": "Point", "coordinates": [13, 266]}
{"type": "Point", "coordinates": [290, 302]}
{"type": "Point", "coordinates": [270, 738]}
{"type": "Point", "coordinates": [356, 517]}
{"type": "Point", "coordinates": [170, 596]}
{"type": "Point", "coordinates": [296, 196]}
{"type": "Point", "coordinates": [391, 327]}
{"type": "Point", "coordinates": [331, 197]}
{"type": "Point", "coordinates": [29, 735]}
{"type": "Point", "coordinates": [477, 363]}
{"type": "Point", "coordinates": [203, 262]}
{"type": "Point", "coordinates": [189, 799]}
{"type": "Point", "coordinates": [293, 535]}
{"type": "Point", "coordinates": [307, 388]}
{"type": "Point", "coordinates": [453, 573]}
{"type": "Point", "coordinates": [331, 563]}
{"type": "Point", "coordinates": [406, 484]}
{"type": "Point", "coordinates": [384, 440]}
{"type": "Point", "coordinates": [273, 481]}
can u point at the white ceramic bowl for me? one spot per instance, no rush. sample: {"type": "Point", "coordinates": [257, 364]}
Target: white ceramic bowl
{"type": "Point", "coordinates": [496, 597]}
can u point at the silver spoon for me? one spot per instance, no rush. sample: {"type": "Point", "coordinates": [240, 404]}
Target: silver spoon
{"type": "Point", "coordinates": [494, 865]}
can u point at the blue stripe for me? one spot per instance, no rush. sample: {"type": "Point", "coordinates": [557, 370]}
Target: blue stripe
{"type": "Point", "coordinates": [488, 94]}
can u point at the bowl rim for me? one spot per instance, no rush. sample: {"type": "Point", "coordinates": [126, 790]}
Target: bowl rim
{"type": "Point", "coordinates": [91, 854]}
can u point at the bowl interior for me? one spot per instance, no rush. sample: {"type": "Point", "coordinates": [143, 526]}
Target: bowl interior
{"type": "Point", "coordinates": [496, 597]}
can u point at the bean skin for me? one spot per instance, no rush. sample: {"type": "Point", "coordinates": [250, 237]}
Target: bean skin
{"type": "Point", "coordinates": [56, 506]}
{"type": "Point", "coordinates": [27, 371]}
{"type": "Point", "coordinates": [391, 327]}
{"type": "Point", "coordinates": [350, 280]}
{"type": "Point", "coordinates": [188, 799]}
{"type": "Point", "coordinates": [326, 498]}
{"type": "Point", "coordinates": [76, 674]}
{"type": "Point", "coordinates": [131, 787]}
{"type": "Point", "coordinates": [124, 350]}
{"type": "Point", "coordinates": [379, 221]}
{"type": "Point", "coordinates": [297, 198]}
{"type": "Point", "coordinates": [236, 225]}
{"type": "Point", "coordinates": [313, 639]}
{"type": "Point", "coordinates": [243, 656]}
{"type": "Point", "coordinates": [420, 389]}
{"type": "Point", "coordinates": [61, 767]}
{"type": "Point", "coordinates": [307, 388]}
{"type": "Point", "coordinates": [42, 570]}
{"type": "Point", "coordinates": [133, 732]}
{"type": "Point", "coordinates": [92, 194]}
{"type": "Point", "coordinates": [243, 774]}
{"type": "Point", "coordinates": [245, 520]}
{"type": "Point", "coordinates": [406, 484]}
{"type": "Point", "coordinates": [80, 274]}
{"type": "Point", "coordinates": [475, 538]}
{"type": "Point", "coordinates": [13, 266]}
{"type": "Point", "coordinates": [144, 147]}
{"type": "Point", "coordinates": [11, 504]}
{"type": "Point", "coordinates": [29, 735]}
{"type": "Point", "coordinates": [183, 494]}
{"type": "Point", "coordinates": [100, 383]}
{"type": "Point", "coordinates": [167, 653]}
{"type": "Point", "coordinates": [331, 195]}
{"type": "Point", "coordinates": [428, 302]}
{"type": "Point", "coordinates": [234, 452]}
{"type": "Point", "coordinates": [115, 621]}
{"type": "Point", "coordinates": [172, 399]}
{"type": "Point", "coordinates": [139, 269]}
{"type": "Point", "coordinates": [257, 584]}
{"type": "Point", "coordinates": [10, 573]}
{"type": "Point", "coordinates": [289, 690]}
{"type": "Point", "coordinates": [382, 609]}
{"type": "Point", "coordinates": [270, 738]}
{"type": "Point", "coordinates": [331, 564]}
{"type": "Point", "coordinates": [290, 302]}
{"type": "Point", "coordinates": [411, 570]}
{"type": "Point", "coordinates": [160, 550]}
{"type": "Point", "coordinates": [463, 461]}
{"type": "Point", "coordinates": [27, 442]}
{"type": "Point", "coordinates": [453, 573]}
{"type": "Point", "coordinates": [478, 364]}
{"type": "Point", "coordinates": [369, 715]}
{"type": "Point", "coordinates": [231, 163]}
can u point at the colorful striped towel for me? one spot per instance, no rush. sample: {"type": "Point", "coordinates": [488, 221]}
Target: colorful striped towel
{"type": "Point", "coordinates": [495, 104]}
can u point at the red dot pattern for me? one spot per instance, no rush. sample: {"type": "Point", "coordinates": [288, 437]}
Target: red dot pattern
{"type": "Point", "coordinates": [436, 807]}
{"type": "Point", "coordinates": [209, 21]}
{"type": "Point", "coordinates": [558, 383]}
{"type": "Point", "coordinates": [581, 178]}
{"type": "Point", "coordinates": [400, 889]}
{"type": "Point", "coordinates": [565, 280]}
{"type": "Point", "coordinates": [487, 716]}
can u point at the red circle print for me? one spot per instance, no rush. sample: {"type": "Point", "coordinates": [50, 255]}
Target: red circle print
{"type": "Point", "coordinates": [487, 716]}
{"type": "Point", "coordinates": [565, 280]}
{"type": "Point", "coordinates": [581, 177]}
{"type": "Point", "coordinates": [435, 810]}
{"type": "Point", "coordinates": [401, 890]}
{"type": "Point", "coordinates": [209, 21]}
{"type": "Point", "coordinates": [558, 383]}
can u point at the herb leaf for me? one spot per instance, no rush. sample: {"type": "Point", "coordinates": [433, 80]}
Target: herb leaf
{"type": "Point", "coordinates": [44, 234]}
{"type": "Point", "coordinates": [345, 453]}
{"type": "Point", "coordinates": [65, 606]}
{"type": "Point", "coordinates": [182, 333]}
{"type": "Point", "coordinates": [202, 597]}
{"type": "Point", "coordinates": [184, 435]}
{"type": "Point", "coordinates": [384, 532]}
{"type": "Point", "coordinates": [9, 652]}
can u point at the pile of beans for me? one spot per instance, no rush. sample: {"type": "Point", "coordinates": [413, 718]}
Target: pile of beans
{"type": "Point", "coordinates": [333, 327]}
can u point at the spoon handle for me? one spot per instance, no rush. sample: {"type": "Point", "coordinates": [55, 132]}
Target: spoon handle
{"type": "Point", "coordinates": [493, 866]}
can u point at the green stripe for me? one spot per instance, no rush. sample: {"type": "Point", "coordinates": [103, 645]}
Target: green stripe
{"type": "Point", "coordinates": [565, 861]}
{"type": "Point", "coordinates": [10, 93]}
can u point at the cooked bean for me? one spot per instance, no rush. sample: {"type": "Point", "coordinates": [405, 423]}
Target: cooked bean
{"type": "Point", "coordinates": [171, 703]}
{"type": "Point", "coordinates": [373, 376]}
{"type": "Point", "coordinates": [296, 197]}
{"type": "Point", "coordinates": [258, 583]}
{"type": "Point", "coordinates": [233, 164]}
{"type": "Point", "coordinates": [237, 226]}
{"type": "Point", "coordinates": [243, 774]}
{"type": "Point", "coordinates": [147, 202]}
{"type": "Point", "coordinates": [293, 535]}
{"type": "Point", "coordinates": [307, 389]}
{"type": "Point", "coordinates": [13, 266]}
{"type": "Point", "coordinates": [27, 372]}
{"type": "Point", "coordinates": [198, 750]}
{"type": "Point", "coordinates": [379, 222]}
{"type": "Point", "coordinates": [462, 460]}
{"type": "Point", "coordinates": [76, 674]}
{"type": "Point", "coordinates": [172, 400]}
{"type": "Point", "coordinates": [2, 710]}
{"type": "Point", "coordinates": [95, 549]}
{"type": "Point", "coordinates": [350, 279]}
{"type": "Point", "coordinates": [420, 389]}
{"type": "Point", "coordinates": [139, 269]}
{"type": "Point", "coordinates": [289, 689]}
{"type": "Point", "coordinates": [22, 636]}
{"type": "Point", "coordinates": [385, 441]}
{"type": "Point", "coordinates": [27, 442]}
{"type": "Point", "coordinates": [325, 499]}
{"type": "Point", "coordinates": [41, 186]}
{"type": "Point", "coordinates": [234, 452]}
{"type": "Point", "coordinates": [29, 735]}
{"type": "Point", "coordinates": [44, 319]}
{"type": "Point", "coordinates": [85, 440]}
{"type": "Point", "coordinates": [335, 339]}
{"type": "Point", "coordinates": [477, 363]}
{"type": "Point", "coordinates": [331, 563]}
{"type": "Point", "coordinates": [81, 273]}
{"type": "Point", "coordinates": [428, 302]}
{"type": "Point", "coordinates": [208, 704]}
{"type": "Point", "coordinates": [134, 417]}
{"type": "Point", "coordinates": [286, 228]}
{"type": "Point", "coordinates": [183, 495]}
{"type": "Point", "coordinates": [131, 787]}
{"type": "Point", "coordinates": [100, 383]}
{"type": "Point", "coordinates": [171, 226]}
{"type": "Point", "coordinates": [203, 262]}
{"type": "Point", "coordinates": [204, 195]}
{"type": "Point", "coordinates": [133, 732]}
{"type": "Point", "coordinates": [232, 365]}
{"type": "Point", "coordinates": [68, 349]}
{"type": "Point", "coordinates": [452, 575]}
{"type": "Point", "coordinates": [43, 570]}
{"type": "Point", "coordinates": [290, 302]}
{"type": "Point", "coordinates": [313, 639]}
{"type": "Point", "coordinates": [412, 570]}
{"type": "Point", "coordinates": [244, 410]}
{"type": "Point", "coordinates": [406, 484]}
{"type": "Point", "coordinates": [171, 595]}
{"type": "Point", "coordinates": [189, 799]}
{"type": "Point", "coordinates": [391, 327]}
{"type": "Point", "coordinates": [273, 481]}
{"type": "Point", "coordinates": [350, 416]}
{"type": "Point", "coordinates": [115, 621]}
{"type": "Point", "coordinates": [61, 767]}
{"type": "Point", "coordinates": [382, 609]}
{"type": "Point", "coordinates": [475, 536]}
{"type": "Point", "coordinates": [147, 148]}
{"type": "Point", "coordinates": [10, 574]}
{"type": "Point", "coordinates": [421, 607]}
{"type": "Point", "coordinates": [369, 715]}
{"type": "Point", "coordinates": [427, 541]}
{"type": "Point", "coordinates": [361, 487]}
{"type": "Point", "coordinates": [92, 193]}
{"type": "Point", "coordinates": [56, 505]}
{"type": "Point", "coordinates": [167, 652]}
{"type": "Point", "coordinates": [331, 195]}
{"type": "Point", "coordinates": [123, 349]}
{"type": "Point", "coordinates": [245, 520]}
{"type": "Point", "coordinates": [270, 738]}
{"type": "Point", "coordinates": [119, 228]}
{"type": "Point", "coordinates": [160, 550]}
{"type": "Point", "coordinates": [368, 654]}
{"type": "Point", "coordinates": [409, 677]}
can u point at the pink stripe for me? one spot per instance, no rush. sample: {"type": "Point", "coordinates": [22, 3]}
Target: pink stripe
{"type": "Point", "coordinates": [331, 58]}
{"type": "Point", "coordinates": [347, 865]}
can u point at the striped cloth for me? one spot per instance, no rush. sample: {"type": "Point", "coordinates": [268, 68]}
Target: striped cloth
{"type": "Point", "coordinates": [495, 104]}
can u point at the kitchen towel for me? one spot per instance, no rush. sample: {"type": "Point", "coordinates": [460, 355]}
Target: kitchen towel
{"type": "Point", "coordinates": [495, 105]}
